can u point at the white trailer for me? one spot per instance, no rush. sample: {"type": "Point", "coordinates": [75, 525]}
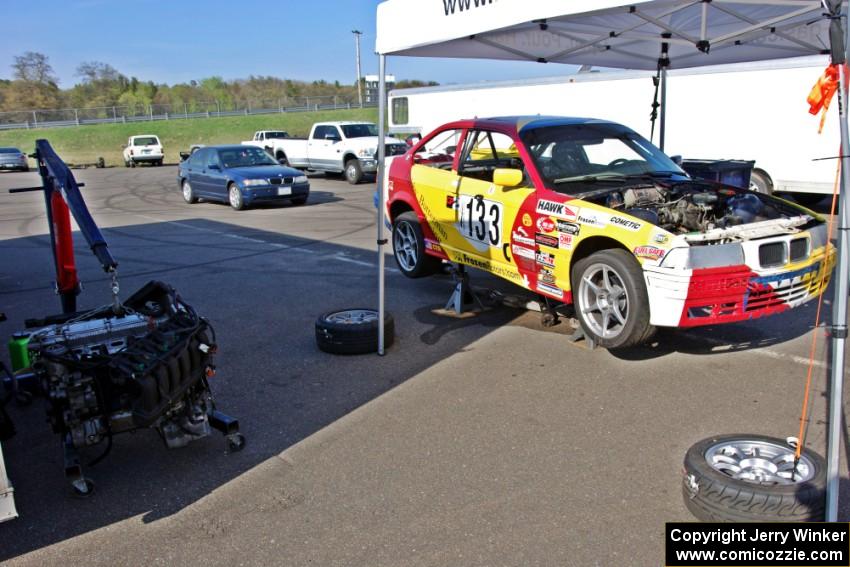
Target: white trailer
{"type": "Point", "coordinates": [748, 111]}
{"type": "Point", "coordinates": [7, 497]}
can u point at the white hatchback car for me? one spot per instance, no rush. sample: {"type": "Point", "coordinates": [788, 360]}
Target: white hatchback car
{"type": "Point", "coordinates": [143, 149]}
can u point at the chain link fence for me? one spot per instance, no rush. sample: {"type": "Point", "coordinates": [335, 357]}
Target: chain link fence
{"type": "Point", "coordinates": [25, 119]}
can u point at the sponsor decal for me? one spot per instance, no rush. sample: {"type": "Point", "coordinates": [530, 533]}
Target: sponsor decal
{"type": "Point", "coordinates": [488, 266]}
{"type": "Point", "coordinates": [480, 220]}
{"type": "Point", "coordinates": [550, 290]}
{"type": "Point", "coordinates": [450, 201]}
{"type": "Point", "coordinates": [545, 259]}
{"type": "Point", "coordinates": [546, 277]}
{"type": "Point", "coordinates": [625, 223]}
{"type": "Point", "coordinates": [556, 209]}
{"type": "Point", "coordinates": [523, 252]}
{"type": "Point", "coordinates": [451, 7]}
{"type": "Point", "coordinates": [546, 240]}
{"type": "Point", "coordinates": [521, 237]}
{"type": "Point", "coordinates": [435, 226]}
{"type": "Point", "coordinates": [565, 241]}
{"type": "Point", "coordinates": [649, 252]}
{"type": "Point", "coordinates": [433, 246]}
{"type": "Point", "coordinates": [545, 224]}
{"type": "Point", "coordinates": [660, 238]}
{"type": "Point", "coordinates": [589, 218]}
{"type": "Point", "coordinates": [526, 219]}
{"type": "Point", "coordinates": [568, 227]}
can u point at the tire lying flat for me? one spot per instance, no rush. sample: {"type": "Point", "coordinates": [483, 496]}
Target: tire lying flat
{"type": "Point", "coordinates": [714, 496]}
{"type": "Point", "coordinates": [352, 331]}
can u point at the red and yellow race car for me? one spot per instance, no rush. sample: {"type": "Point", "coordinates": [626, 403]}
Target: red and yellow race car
{"type": "Point", "coordinates": [589, 212]}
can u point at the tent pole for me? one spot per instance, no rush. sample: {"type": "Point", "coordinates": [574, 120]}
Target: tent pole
{"type": "Point", "coordinates": [662, 123]}
{"type": "Point", "coordinates": [382, 205]}
{"type": "Point", "coordinates": [839, 312]}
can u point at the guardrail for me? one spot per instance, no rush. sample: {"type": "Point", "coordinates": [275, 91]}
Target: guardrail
{"type": "Point", "coordinates": [185, 115]}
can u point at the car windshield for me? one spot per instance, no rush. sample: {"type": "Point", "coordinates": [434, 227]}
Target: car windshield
{"type": "Point", "coordinates": [247, 156]}
{"type": "Point", "coordinates": [359, 130]}
{"type": "Point", "coordinates": [270, 135]}
{"type": "Point", "coordinates": [9, 151]}
{"type": "Point", "coordinates": [577, 157]}
{"type": "Point", "coordinates": [146, 141]}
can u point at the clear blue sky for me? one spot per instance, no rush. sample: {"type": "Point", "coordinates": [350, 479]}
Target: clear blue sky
{"type": "Point", "coordinates": [177, 41]}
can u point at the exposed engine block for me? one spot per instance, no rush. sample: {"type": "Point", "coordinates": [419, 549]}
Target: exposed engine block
{"type": "Point", "coordinates": [104, 373]}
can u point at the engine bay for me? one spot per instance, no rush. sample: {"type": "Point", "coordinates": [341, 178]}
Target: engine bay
{"type": "Point", "coordinates": [697, 207]}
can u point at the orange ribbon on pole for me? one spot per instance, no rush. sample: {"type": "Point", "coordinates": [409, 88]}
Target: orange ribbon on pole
{"type": "Point", "coordinates": [821, 94]}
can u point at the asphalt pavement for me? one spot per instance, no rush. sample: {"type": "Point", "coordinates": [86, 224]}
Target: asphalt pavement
{"type": "Point", "coordinates": [481, 441]}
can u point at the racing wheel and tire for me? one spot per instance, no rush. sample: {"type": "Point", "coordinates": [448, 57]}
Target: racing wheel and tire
{"type": "Point", "coordinates": [752, 478]}
{"type": "Point", "coordinates": [409, 248]}
{"type": "Point", "coordinates": [610, 299]}
{"type": "Point", "coordinates": [352, 331]}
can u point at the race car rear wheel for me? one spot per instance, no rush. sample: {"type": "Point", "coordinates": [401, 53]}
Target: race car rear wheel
{"type": "Point", "coordinates": [610, 298]}
{"type": "Point", "coordinates": [409, 248]}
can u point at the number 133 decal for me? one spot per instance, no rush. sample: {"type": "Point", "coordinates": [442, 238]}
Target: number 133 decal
{"type": "Point", "coordinates": [480, 219]}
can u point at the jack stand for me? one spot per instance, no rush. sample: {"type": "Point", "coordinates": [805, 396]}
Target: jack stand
{"type": "Point", "coordinates": [463, 295]}
{"type": "Point", "coordinates": [548, 316]}
{"type": "Point", "coordinates": [579, 334]}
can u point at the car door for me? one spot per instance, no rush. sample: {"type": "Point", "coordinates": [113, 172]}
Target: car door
{"type": "Point", "coordinates": [435, 184]}
{"type": "Point", "coordinates": [195, 172]}
{"type": "Point", "coordinates": [324, 148]}
{"type": "Point", "coordinates": [216, 177]}
{"type": "Point", "coordinates": [495, 221]}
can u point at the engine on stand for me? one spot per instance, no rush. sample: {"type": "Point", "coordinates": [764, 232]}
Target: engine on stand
{"type": "Point", "coordinates": [113, 370]}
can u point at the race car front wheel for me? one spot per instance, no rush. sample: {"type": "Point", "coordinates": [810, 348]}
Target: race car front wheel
{"type": "Point", "coordinates": [409, 248]}
{"type": "Point", "coordinates": [610, 299]}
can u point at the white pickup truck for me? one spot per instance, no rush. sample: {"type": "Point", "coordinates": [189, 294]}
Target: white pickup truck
{"type": "Point", "coordinates": [336, 147]}
{"type": "Point", "coordinates": [267, 140]}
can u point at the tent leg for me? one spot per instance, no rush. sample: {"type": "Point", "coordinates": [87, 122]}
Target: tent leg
{"type": "Point", "coordinates": [839, 313]}
{"type": "Point", "coordinates": [379, 185]}
{"type": "Point", "coordinates": [662, 124]}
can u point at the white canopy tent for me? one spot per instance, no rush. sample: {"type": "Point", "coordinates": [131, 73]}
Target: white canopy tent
{"type": "Point", "coordinates": [643, 34]}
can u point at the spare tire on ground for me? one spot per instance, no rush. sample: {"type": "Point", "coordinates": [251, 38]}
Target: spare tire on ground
{"type": "Point", "coordinates": [352, 331]}
{"type": "Point", "coordinates": [752, 478]}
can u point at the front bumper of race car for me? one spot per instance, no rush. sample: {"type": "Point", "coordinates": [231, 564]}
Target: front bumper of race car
{"type": "Point", "coordinates": [708, 285]}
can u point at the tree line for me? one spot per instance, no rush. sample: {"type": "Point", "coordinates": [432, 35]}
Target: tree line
{"type": "Point", "coordinates": [34, 86]}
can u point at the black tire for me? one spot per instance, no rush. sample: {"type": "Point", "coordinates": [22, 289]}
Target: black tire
{"type": "Point", "coordinates": [25, 169]}
{"type": "Point", "coordinates": [356, 336]}
{"type": "Point", "coordinates": [413, 263]}
{"type": "Point", "coordinates": [132, 163]}
{"type": "Point", "coordinates": [188, 192]}
{"type": "Point", "coordinates": [282, 159]}
{"type": "Point", "coordinates": [711, 495]}
{"type": "Point", "coordinates": [126, 163]}
{"type": "Point", "coordinates": [808, 200]}
{"type": "Point", "coordinates": [760, 182]}
{"type": "Point", "coordinates": [353, 171]}
{"type": "Point", "coordinates": [159, 163]}
{"type": "Point", "coordinates": [628, 281]}
{"type": "Point", "coordinates": [234, 197]}
{"type": "Point", "coordinates": [299, 200]}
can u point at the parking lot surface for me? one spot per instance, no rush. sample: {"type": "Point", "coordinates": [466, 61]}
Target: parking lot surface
{"type": "Point", "coordinates": [480, 441]}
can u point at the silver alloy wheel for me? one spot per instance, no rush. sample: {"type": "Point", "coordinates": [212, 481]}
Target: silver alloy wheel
{"type": "Point", "coordinates": [352, 316]}
{"type": "Point", "coordinates": [603, 301]}
{"type": "Point", "coordinates": [187, 192]}
{"type": "Point", "coordinates": [759, 462]}
{"type": "Point", "coordinates": [235, 197]}
{"type": "Point", "coordinates": [404, 245]}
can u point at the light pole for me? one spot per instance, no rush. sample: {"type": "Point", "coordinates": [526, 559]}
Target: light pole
{"type": "Point", "coordinates": [357, 34]}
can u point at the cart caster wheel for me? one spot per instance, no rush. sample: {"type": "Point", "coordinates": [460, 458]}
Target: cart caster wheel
{"type": "Point", "coordinates": [83, 487]}
{"type": "Point", "coordinates": [235, 442]}
{"type": "Point", "coordinates": [548, 320]}
{"type": "Point", "coordinates": [23, 399]}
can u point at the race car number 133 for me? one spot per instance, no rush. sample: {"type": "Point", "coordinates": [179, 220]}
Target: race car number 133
{"type": "Point", "coordinates": [480, 219]}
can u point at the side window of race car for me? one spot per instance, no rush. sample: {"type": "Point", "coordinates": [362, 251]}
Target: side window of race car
{"type": "Point", "coordinates": [440, 150]}
{"type": "Point", "coordinates": [484, 152]}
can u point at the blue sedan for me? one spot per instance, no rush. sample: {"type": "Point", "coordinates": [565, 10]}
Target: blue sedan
{"type": "Point", "coordinates": [241, 176]}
